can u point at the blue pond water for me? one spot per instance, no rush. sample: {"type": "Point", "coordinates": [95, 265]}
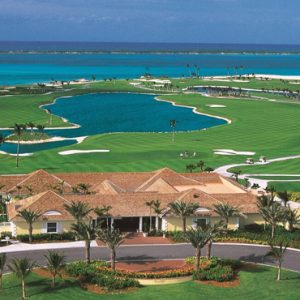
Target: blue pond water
{"type": "Point", "coordinates": [119, 112]}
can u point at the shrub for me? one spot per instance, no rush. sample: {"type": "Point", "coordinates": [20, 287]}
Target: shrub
{"type": "Point", "coordinates": [3, 234]}
{"type": "Point", "coordinates": [155, 232]}
{"type": "Point", "coordinates": [111, 282]}
{"type": "Point", "coordinates": [176, 236]}
{"type": "Point", "coordinates": [218, 273]}
{"type": "Point", "coordinates": [65, 236]}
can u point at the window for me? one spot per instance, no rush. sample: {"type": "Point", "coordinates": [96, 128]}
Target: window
{"type": "Point", "coordinates": [51, 227]}
{"type": "Point", "coordinates": [200, 222]}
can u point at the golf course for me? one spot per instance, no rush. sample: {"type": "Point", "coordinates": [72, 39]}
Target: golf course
{"type": "Point", "coordinates": [267, 125]}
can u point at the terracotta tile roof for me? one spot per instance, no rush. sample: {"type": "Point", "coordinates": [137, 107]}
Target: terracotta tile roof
{"type": "Point", "coordinates": [107, 187]}
{"type": "Point", "coordinates": [169, 176]}
{"type": "Point", "coordinates": [44, 202]}
{"type": "Point", "coordinates": [10, 181]}
{"type": "Point", "coordinates": [39, 181]}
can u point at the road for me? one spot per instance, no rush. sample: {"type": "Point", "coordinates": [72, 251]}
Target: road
{"type": "Point", "coordinates": [243, 252]}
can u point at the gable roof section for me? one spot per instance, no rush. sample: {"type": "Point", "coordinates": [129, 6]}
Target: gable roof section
{"type": "Point", "coordinates": [43, 202]}
{"type": "Point", "coordinates": [169, 176]}
{"type": "Point", "coordinates": [39, 181]}
{"type": "Point", "coordinates": [108, 187]}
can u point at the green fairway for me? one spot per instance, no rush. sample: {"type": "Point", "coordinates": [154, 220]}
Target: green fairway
{"type": "Point", "coordinates": [288, 186]}
{"type": "Point", "coordinates": [291, 166]}
{"type": "Point", "coordinates": [260, 126]}
{"type": "Point", "coordinates": [256, 283]}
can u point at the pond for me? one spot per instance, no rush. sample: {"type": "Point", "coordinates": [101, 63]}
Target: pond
{"type": "Point", "coordinates": [118, 112]}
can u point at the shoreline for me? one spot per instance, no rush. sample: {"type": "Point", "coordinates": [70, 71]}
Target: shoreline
{"type": "Point", "coordinates": [195, 111]}
{"type": "Point", "coordinates": [79, 140]}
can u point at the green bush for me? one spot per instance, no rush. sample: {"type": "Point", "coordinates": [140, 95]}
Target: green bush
{"type": "Point", "coordinates": [65, 236]}
{"type": "Point", "coordinates": [218, 273]}
{"type": "Point", "coordinates": [155, 232]}
{"type": "Point", "coordinates": [97, 272]}
{"type": "Point", "coordinates": [176, 236]}
{"type": "Point", "coordinates": [3, 234]}
{"type": "Point", "coordinates": [111, 282]}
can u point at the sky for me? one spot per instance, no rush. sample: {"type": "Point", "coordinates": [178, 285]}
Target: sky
{"type": "Point", "coordinates": [195, 21]}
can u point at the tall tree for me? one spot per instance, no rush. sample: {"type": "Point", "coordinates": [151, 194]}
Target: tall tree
{"type": "Point", "coordinates": [292, 218]}
{"type": "Point", "coordinates": [226, 211]}
{"type": "Point", "coordinates": [55, 264]}
{"type": "Point", "coordinates": [271, 190]}
{"type": "Point", "coordinates": [273, 215]}
{"type": "Point", "coordinates": [213, 230]}
{"type": "Point", "coordinates": [173, 124]}
{"type": "Point", "coordinates": [29, 217]}
{"type": "Point", "coordinates": [190, 167]}
{"type": "Point", "coordinates": [2, 265]}
{"type": "Point", "coordinates": [183, 210]}
{"type": "Point", "coordinates": [31, 126]}
{"type": "Point", "coordinates": [278, 253]}
{"type": "Point", "coordinates": [200, 164]}
{"type": "Point", "coordinates": [112, 239]}
{"type": "Point", "coordinates": [198, 237]}
{"type": "Point", "coordinates": [18, 130]}
{"type": "Point", "coordinates": [150, 205]}
{"type": "Point", "coordinates": [79, 210]}
{"type": "Point", "coordinates": [284, 196]}
{"type": "Point", "coordinates": [88, 233]}
{"type": "Point", "coordinates": [21, 267]}
{"type": "Point", "coordinates": [236, 173]}
{"type": "Point", "coordinates": [158, 210]}
{"type": "Point", "coordinates": [103, 212]}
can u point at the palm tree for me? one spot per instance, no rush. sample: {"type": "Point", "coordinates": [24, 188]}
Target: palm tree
{"type": "Point", "coordinates": [236, 173]}
{"type": "Point", "coordinates": [30, 217]}
{"type": "Point", "coordinates": [200, 165]}
{"type": "Point", "coordinates": [214, 230]}
{"type": "Point", "coordinates": [31, 126]}
{"type": "Point", "coordinates": [40, 127]}
{"type": "Point", "coordinates": [278, 253]}
{"type": "Point", "coordinates": [84, 187]}
{"type": "Point", "coordinates": [190, 167]}
{"type": "Point", "coordinates": [273, 215]}
{"type": "Point", "coordinates": [173, 123]}
{"type": "Point", "coordinates": [88, 233]}
{"type": "Point", "coordinates": [112, 239]}
{"type": "Point", "coordinates": [22, 268]}
{"type": "Point", "coordinates": [271, 189]}
{"type": "Point", "coordinates": [226, 211]}
{"type": "Point", "coordinates": [2, 264]}
{"type": "Point", "coordinates": [79, 210]}
{"type": "Point", "coordinates": [284, 196]}
{"type": "Point", "coordinates": [292, 218]}
{"type": "Point", "coordinates": [150, 205]}
{"type": "Point", "coordinates": [264, 201]}
{"type": "Point", "coordinates": [55, 263]}
{"type": "Point", "coordinates": [184, 210]}
{"type": "Point", "coordinates": [198, 237]}
{"type": "Point", "coordinates": [157, 209]}
{"type": "Point", "coordinates": [2, 139]}
{"type": "Point", "coordinates": [18, 130]}
{"type": "Point", "coordinates": [103, 212]}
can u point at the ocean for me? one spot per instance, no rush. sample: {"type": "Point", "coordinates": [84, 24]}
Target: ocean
{"type": "Point", "coordinates": [32, 62]}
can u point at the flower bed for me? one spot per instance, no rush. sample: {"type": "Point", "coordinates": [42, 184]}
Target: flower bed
{"type": "Point", "coordinates": [180, 272]}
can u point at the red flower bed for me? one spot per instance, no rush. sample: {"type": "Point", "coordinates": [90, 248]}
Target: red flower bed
{"type": "Point", "coordinates": [186, 270]}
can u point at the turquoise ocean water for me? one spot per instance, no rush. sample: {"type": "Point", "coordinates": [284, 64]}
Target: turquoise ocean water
{"type": "Point", "coordinates": [32, 68]}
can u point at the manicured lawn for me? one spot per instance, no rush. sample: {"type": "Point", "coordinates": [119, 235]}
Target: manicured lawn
{"type": "Point", "coordinates": [256, 283]}
{"type": "Point", "coordinates": [289, 186]}
{"type": "Point", "coordinates": [267, 128]}
{"type": "Point", "coordinates": [291, 166]}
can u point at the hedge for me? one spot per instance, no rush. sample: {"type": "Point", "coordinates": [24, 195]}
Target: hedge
{"type": "Point", "coordinates": [65, 236]}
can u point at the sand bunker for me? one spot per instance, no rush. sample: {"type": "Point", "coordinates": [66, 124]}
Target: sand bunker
{"type": "Point", "coordinates": [70, 152]}
{"type": "Point", "coordinates": [232, 152]}
{"type": "Point", "coordinates": [216, 105]}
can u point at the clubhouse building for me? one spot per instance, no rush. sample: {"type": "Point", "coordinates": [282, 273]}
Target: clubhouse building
{"type": "Point", "coordinates": [127, 194]}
